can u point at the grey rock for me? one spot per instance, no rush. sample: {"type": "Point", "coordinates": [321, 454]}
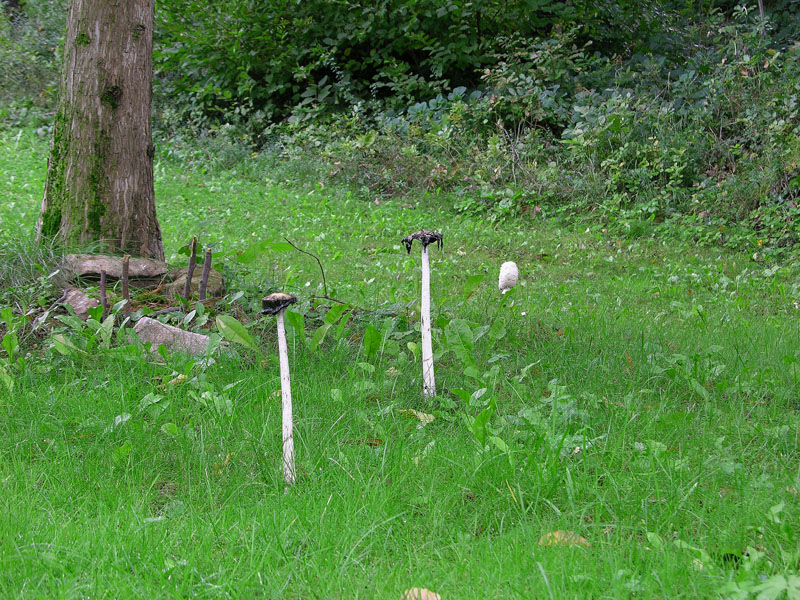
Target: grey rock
{"type": "Point", "coordinates": [90, 265]}
{"type": "Point", "coordinates": [215, 288]}
{"type": "Point", "coordinates": [79, 301]}
{"type": "Point", "coordinates": [173, 338]}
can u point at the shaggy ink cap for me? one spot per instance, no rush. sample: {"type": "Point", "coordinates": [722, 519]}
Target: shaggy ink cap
{"type": "Point", "coordinates": [425, 236]}
{"type": "Point", "coordinates": [275, 303]}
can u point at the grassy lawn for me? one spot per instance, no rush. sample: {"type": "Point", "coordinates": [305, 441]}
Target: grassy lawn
{"type": "Point", "coordinates": [637, 394]}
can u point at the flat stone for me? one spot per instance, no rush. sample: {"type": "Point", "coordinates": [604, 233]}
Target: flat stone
{"type": "Point", "coordinates": [214, 289]}
{"type": "Point", "coordinates": [173, 338]}
{"type": "Point", "coordinates": [79, 301]}
{"type": "Point", "coordinates": [90, 265]}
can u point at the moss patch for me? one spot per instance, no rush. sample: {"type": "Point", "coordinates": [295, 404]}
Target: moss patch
{"type": "Point", "coordinates": [82, 39]}
{"type": "Point", "coordinates": [111, 96]}
{"type": "Point", "coordinates": [54, 188]}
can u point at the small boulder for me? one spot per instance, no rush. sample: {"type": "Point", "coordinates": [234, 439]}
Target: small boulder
{"type": "Point", "coordinates": [173, 338]}
{"type": "Point", "coordinates": [79, 301]}
{"type": "Point", "coordinates": [90, 265]}
{"type": "Point", "coordinates": [214, 289]}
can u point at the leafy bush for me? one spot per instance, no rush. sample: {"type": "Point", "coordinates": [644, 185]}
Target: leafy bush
{"type": "Point", "coordinates": [277, 59]}
{"type": "Point", "coordinates": [30, 42]}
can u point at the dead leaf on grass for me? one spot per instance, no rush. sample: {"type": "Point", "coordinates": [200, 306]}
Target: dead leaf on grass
{"type": "Point", "coordinates": [563, 538]}
{"type": "Point", "coordinates": [177, 380]}
{"type": "Point", "coordinates": [369, 441]}
{"type": "Point", "coordinates": [420, 594]}
{"type": "Point", "coordinates": [424, 418]}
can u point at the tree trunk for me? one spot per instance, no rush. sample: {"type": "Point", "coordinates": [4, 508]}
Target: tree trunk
{"type": "Point", "coordinates": [100, 171]}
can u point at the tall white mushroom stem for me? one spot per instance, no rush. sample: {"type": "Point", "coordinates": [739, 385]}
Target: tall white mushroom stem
{"type": "Point", "coordinates": [286, 404]}
{"type": "Point", "coordinates": [428, 379]}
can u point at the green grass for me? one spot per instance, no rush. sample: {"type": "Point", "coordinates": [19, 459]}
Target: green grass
{"type": "Point", "coordinates": [646, 398]}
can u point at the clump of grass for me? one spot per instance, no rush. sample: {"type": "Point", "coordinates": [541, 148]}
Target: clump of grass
{"type": "Point", "coordinates": [29, 272]}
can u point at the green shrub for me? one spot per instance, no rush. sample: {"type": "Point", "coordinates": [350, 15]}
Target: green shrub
{"type": "Point", "coordinates": [30, 52]}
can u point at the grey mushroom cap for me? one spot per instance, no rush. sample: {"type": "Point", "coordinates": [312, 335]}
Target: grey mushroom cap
{"type": "Point", "coordinates": [275, 303]}
{"type": "Point", "coordinates": [425, 236]}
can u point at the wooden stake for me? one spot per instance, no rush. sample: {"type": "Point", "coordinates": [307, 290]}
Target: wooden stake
{"type": "Point", "coordinates": [201, 293]}
{"type": "Point", "coordinates": [187, 288]}
{"type": "Point", "coordinates": [125, 291]}
{"type": "Point", "coordinates": [103, 296]}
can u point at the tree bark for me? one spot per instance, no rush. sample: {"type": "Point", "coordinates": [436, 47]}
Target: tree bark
{"type": "Point", "coordinates": [100, 172]}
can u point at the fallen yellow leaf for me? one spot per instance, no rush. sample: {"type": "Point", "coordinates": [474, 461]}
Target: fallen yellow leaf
{"type": "Point", "coordinates": [425, 418]}
{"type": "Point", "coordinates": [562, 538]}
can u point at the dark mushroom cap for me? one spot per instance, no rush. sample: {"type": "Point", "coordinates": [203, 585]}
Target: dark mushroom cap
{"type": "Point", "coordinates": [275, 303]}
{"type": "Point", "coordinates": [425, 236]}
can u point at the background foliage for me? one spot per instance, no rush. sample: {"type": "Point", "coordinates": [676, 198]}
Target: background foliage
{"type": "Point", "coordinates": [659, 117]}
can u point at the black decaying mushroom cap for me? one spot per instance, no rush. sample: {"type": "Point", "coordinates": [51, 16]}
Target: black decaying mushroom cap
{"type": "Point", "coordinates": [425, 236]}
{"type": "Point", "coordinates": [275, 303]}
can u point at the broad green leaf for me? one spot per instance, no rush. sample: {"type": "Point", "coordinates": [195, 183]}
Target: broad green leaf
{"type": "Point", "coordinates": [296, 321]}
{"type": "Point", "coordinates": [340, 328]}
{"type": "Point", "coordinates": [64, 346]}
{"type": "Point", "coordinates": [498, 443]}
{"type": "Point", "coordinates": [498, 330]}
{"type": "Point", "coordinates": [471, 285]}
{"type": "Point", "coordinates": [96, 313]}
{"type": "Point", "coordinates": [233, 331]}
{"type": "Point", "coordinates": [334, 313]}
{"type": "Point", "coordinates": [72, 321]}
{"type": "Point", "coordinates": [319, 336]}
{"type": "Point", "coordinates": [252, 252]}
{"type": "Point", "coordinates": [479, 425]}
{"type": "Point", "coordinates": [699, 389]}
{"type": "Point", "coordinates": [655, 540]}
{"type": "Point", "coordinates": [460, 340]}
{"type": "Point", "coordinates": [153, 404]}
{"type": "Point", "coordinates": [170, 428]}
{"type": "Point", "coordinates": [149, 399]}
{"type": "Point", "coordinates": [7, 380]}
{"type": "Point", "coordinates": [775, 587]}
{"type": "Point", "coordinates": [10, 344]}
{"type": "Point", "coordinates": [120, 453]}
{"type": "Point", "coordinates": [6, 377]}
{"type": "Point", "coordinates": [479, 332]}
{"type": "Point", "coordinates": [118, 306]}
{"type": "Point", "coordinates": [7, 316]}
{"type": "Point", "coordinates": [386, 331]}
{"type": "Point", "coordinates": [281, 247]}
{"type": "Point", "coordinates": [462, 394]}
{"type": "Point", "coordinates": [372, 341]}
